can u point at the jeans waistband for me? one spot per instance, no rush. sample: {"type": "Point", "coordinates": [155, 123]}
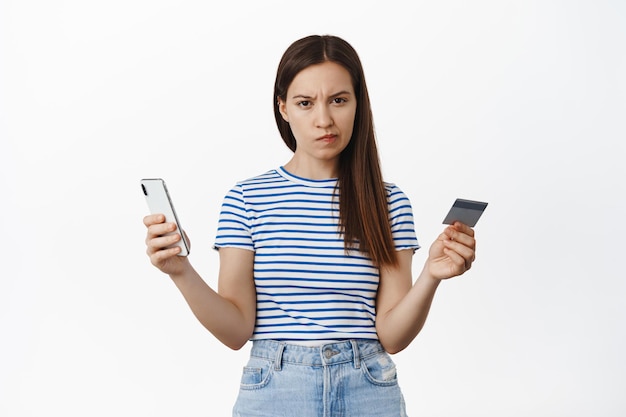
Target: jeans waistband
{"type": "Point", "coordinates": [280, 352]}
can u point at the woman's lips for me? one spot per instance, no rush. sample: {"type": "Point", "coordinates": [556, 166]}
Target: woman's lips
{"type": "Point", "coordinates": [328, 138]}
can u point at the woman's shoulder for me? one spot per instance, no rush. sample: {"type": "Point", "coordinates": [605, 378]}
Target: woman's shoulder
{"type": "Point", "coordinates": [395, 196]}
{"type": "Point", "coordinates": [258, 180]}
{"type": "Point", "coordinates": [238, 183]}
{"type": "Point", "coordinates": [267, 179]}
{"type": "Point", "coordinates": [238, 192]}
{"type": "Point", "coordinates": [392, 188]}
{"type": "Point", "coordinates": [270, 175]}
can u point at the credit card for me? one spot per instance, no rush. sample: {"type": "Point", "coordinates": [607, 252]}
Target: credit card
{"type": "Point", "coordinates": [465, 211]}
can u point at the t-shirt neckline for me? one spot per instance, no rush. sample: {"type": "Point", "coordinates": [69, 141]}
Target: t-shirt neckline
{"type": "Point", "coordinates": [330, 182]}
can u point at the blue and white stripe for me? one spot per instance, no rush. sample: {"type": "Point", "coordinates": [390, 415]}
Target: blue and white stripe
{"type": "Point", "coordinates": [308, 287]}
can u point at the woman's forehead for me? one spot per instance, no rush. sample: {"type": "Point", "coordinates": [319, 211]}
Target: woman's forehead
{"type": "Point", "coordinates": [327, 78]}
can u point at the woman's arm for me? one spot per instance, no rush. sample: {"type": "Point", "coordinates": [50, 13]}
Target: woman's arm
{"type": "Point", "coordinates": [230, 314]}
{"type": "Point", "coordinates": [402, 308]}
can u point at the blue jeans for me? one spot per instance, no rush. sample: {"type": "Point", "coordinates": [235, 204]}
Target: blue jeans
{"type": "Point", "coordinates": [353, 378]}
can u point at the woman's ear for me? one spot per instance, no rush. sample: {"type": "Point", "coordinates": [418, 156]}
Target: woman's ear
{"type": "Point", "coordinates": [282, 108]}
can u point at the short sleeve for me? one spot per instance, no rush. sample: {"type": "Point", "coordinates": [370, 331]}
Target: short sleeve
{"type": "Point", "coordinates": [233, 228]}
{"type": "Point", "coordinates": [401, 219]}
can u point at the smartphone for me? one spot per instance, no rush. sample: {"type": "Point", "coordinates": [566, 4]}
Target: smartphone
{"type": "Point", "coordinates": [159, 201]}
{"type": "Point", "coordinates": [465, 211]}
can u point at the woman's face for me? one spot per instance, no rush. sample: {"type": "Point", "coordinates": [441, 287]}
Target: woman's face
{"type": "Point", "coordinates": [320, 108]}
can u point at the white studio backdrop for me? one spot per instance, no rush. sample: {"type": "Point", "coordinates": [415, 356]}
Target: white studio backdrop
{"type": "Point", "coordinates": [518, 103]}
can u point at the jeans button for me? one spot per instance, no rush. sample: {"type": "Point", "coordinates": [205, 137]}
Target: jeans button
{"type": "Point", "coordinates": [329, 353]}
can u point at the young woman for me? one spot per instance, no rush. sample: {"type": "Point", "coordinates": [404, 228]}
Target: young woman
{"type": "Point", "coordinates": [315, 255]}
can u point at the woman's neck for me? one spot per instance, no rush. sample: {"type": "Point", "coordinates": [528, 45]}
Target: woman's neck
{"type": "Point", "coordinates": [314, 170]}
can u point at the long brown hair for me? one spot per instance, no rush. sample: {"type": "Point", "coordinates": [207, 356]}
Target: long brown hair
{"type": "Point", "coordinates": [363, 209]}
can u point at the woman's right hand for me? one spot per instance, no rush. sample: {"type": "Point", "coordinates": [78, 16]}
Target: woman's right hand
{"type": "Point", "coordinates": [163, 257]}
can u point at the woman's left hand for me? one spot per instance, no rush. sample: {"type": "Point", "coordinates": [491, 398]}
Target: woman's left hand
{"type": "Point", "coordinates": [453, 252]}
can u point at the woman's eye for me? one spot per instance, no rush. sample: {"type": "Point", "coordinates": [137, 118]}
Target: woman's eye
{"type": "Point", "coordinates": [339, 100]}
{"type": "Point", "coordinates": [304, 103]}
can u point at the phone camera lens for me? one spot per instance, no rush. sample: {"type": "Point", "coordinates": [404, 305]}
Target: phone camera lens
{"type": "Point", "coordinates": [143, 187]}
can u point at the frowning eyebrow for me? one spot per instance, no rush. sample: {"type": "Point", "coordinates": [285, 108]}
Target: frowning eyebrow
{"type": "Point", "coordinates": [305, 97]}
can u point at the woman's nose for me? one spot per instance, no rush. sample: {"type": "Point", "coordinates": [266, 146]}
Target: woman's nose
{"type": "Point", "coordinates": [323, 117]}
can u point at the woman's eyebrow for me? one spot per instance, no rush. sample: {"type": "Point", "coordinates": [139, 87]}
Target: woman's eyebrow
{"type": "Point", "coordinates": [306, 97]}
{"type": "Point", "coordinates": [341, 93]}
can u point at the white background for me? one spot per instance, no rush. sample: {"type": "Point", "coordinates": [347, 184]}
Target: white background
{"type": "Point", "coordinates": [518, 103]}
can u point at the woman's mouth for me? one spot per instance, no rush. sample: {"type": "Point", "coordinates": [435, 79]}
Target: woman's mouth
{"type": "Point", "coordinates": [328, 138]}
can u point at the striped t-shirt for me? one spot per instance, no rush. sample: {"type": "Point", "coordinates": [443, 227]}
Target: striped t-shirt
{"type": "Point", "coordinates": [308, 288]}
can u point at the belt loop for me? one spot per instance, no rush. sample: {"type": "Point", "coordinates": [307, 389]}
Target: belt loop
{"type": "Point", "coordinates": [356, 354]}
{"type": "Point", "coordinates": [278, 360]}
